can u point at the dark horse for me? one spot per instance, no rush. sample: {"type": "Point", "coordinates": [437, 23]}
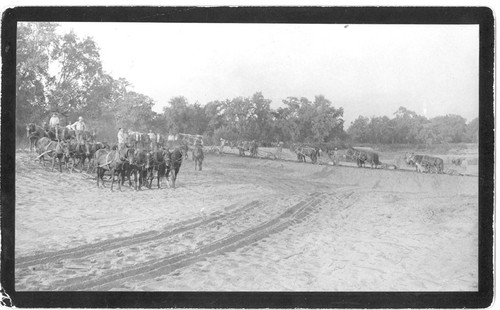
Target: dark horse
{"type": "Point", "coordinates": [94, 147]}
{"type": "Point", "coordinates": [184, 149]}
{"type": "Point", "coordinates": [78, 152]}
{"type": "Point", "coordinates": [139, 168]}
{"type": "Point", "coordinates": [34, 133]}
{"type": "Point", "coordinates": [173, 163]}
{"type": "Point", "coordinates": [113, 161]}
{"type": "Point", "coordinates": [130, 165]}
{"type": "Point", "coordinates": [198, 157]}
{"type": "Point", "coordinates": [157, 164]}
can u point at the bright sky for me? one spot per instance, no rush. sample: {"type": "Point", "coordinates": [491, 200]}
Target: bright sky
{"type": "Point", "coordinates": [369, 70]}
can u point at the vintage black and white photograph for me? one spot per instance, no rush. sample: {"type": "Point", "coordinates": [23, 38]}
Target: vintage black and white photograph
{"type": "Point", "coordinates": [268, 157]}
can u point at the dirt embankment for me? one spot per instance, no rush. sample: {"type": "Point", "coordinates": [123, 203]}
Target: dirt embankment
{"type": "Point", "coordinates": [248, 224]}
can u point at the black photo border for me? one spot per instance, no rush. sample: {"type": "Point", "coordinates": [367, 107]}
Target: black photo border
{"type": "Point", "coordinates": [481, 16]}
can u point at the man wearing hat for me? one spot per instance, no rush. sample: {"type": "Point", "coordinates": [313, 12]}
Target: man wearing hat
{"type": "Point", "coordinates": [54, 124]}
{"type": "Point", "coordinates": [152, 139]}
{"type": "Point", "coordinates": [335, 157]}
{"type": "Point", "coordinates": [121, 139]}
{"type": "Point", "coordinates": [79, 127]}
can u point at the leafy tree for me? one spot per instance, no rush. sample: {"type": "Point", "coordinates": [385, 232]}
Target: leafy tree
{"type": "Point", "coordinates": [472, 131]}
{"type": "Point", "coordinates": [449, 128]}
{"type": "Point", "coordinates": [327, 122]}
{"type": "Point", "coordinates": [77, 69]}
{"type": "Point", "coordinates": [214, 113]}
{"type": "Point", "coordinates": [407, 125]}
{"type": "Point", "coordinates": [36, 43]}
{"type": "Point", "coordinates": [358, 130]}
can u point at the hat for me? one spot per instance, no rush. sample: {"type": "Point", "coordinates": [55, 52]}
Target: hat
{"type": "Point", "coordinates": [80, 118]}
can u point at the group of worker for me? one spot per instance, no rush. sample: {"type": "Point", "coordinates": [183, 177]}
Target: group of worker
{"type": "Point", "coordinates": [123, 135]}
{"type": "Point", "coordinates": [79, 126]}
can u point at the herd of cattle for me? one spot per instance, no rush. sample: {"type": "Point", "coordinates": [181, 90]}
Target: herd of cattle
{"type": "Point", "coordinates": [143, 160]}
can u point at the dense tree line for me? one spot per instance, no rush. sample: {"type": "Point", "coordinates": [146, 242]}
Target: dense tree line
{"type": "Point", "coordinates": [407, 127]}
{"type": "Point", "coordinates": [64, 73]}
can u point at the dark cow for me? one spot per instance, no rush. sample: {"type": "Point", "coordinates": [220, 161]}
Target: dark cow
{"type": "Point", "coordinates": [425, 163]}
{"type": "Point", "coordinates": [306, 151]}
{"type": "Point", "coordinates": [435, 164]}
{"type": "Point", "coordinates": [364, 155]}
{"type": "Point", "coordinates": [458, 161]}
{"type": "Point", "coordinates": [247, 146]}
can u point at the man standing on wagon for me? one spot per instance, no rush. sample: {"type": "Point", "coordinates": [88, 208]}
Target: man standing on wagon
{"type": "Point", "coordinates": [79, 127]}
{"type": "Point", "coordinates": [54, 124]}
{"type": "Point", "coordinates": [121, 139]}
{"type": "Point", "coordinates": [152, 139]}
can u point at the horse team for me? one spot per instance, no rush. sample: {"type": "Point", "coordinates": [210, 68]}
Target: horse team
{"type": "Point", "coordinates": [139, 160]}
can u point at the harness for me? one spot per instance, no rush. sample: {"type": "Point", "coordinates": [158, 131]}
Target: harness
{"type": "Point", "coordinates": [48, 151]}
{"type": "Point", "coordinates": [107, 162]}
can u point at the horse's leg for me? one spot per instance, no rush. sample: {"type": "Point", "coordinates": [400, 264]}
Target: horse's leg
{"type": "Point", "coordinates": [90, 161]}
{"type": "Point", "coordinates": [112, 172]}
{"type": "Point", "coordinates": [122, 176]}
{"type": "Point", "coordinates": [53, 162]}
{"type": "Point", "coordinates": [150, 177]}
{"type": "Point", "coordinates": [161, 171]}
{"type": "Point", "coordinates": [174, 175]}
{"type": "Point", "coordinates": [83, 163]}
{"type": "Point", "coordinates": [167, 175]}
{"type": "Point", "coordinates": [135, 178]}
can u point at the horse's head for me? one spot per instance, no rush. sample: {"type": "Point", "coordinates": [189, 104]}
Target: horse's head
{"type": "Point", "coordinates": [87, 148]}
{"type": "Point", "coordinates": [30, 128]}
{"type": "Point", "coordinates": [62, 148]}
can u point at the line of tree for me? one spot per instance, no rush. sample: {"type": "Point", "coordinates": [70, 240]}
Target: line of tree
{"type": "Point", "coordinates": [407, 127]}
{"type": "Point", "coordinates": [64, 73]}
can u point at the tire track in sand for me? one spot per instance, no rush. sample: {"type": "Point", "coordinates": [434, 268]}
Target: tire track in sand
{"type": "Point", "coordinates": [177, 228]}
{"type": "Point", "coordinates": [111, 279]}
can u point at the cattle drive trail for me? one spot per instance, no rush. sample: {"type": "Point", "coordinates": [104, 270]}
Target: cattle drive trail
{"type": "Point", "coordinates": [250, 225]}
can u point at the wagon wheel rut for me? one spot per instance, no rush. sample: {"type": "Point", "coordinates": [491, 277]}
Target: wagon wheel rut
{"type": "Point", "coordinates": [162, 252]}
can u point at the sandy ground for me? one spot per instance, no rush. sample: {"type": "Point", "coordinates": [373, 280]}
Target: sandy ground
{"type": "Point", "coordinates": [245, 224]}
